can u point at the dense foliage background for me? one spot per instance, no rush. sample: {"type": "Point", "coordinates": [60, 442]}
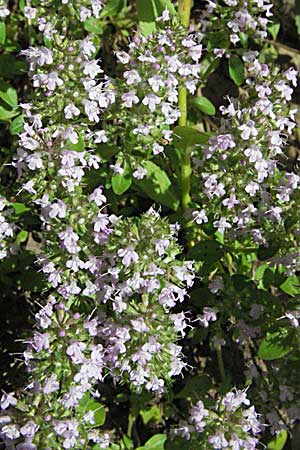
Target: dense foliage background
{"type": "Point", "coordinates": [149, 224]}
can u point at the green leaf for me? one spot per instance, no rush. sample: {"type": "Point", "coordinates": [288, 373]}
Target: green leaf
{"type": "Point", "coordinates": [89, 404]}
{"type": "Point", "coordinates": [22, 236]}
{"type": "Point", "coordinates": [93, 25]}
{"type": "Point", "coordinates": [157, 185]}
{"type": "Point", "coordinates": [19, 208]}
{"type": "Point", "coordinates": [184, 137]}
{"type": "Point", "coordinates": [112, 8]}
{"type": "Point", "coordinates": [79, 147]}
{"type": "Point", "coordinates": [17, 125]}
{"type": "Point", "coordinates": [121, 182]}
{"type": "Point", "coordinates": [273, 29]}
{"type": "Point", "coordinates": [244, 39]}
{"type": "Point", "coordinates": [204, 105]}
{"type": "Point", "coordinates": [2, 33]}
{"type": "Point", "coordinates": [5, 114]}
{"type": "Point", "coordinates": [149, 10]}
{"type": "Point", "coordinates": [236, 70]}
{"type": "Point", "coordinates": [155, 443]}
{"type": "Point", "coordinates": [10, 66]}
{"type": "Point", "coordinates": [274, 346]}
{"type": "Point", "coordinates": [291, 285]}
{"type": "Point", "coordinates": [8, 94]}
{"type": "Point", "coordinates": [146, 15]}
{"type": "Point", "coordinates": [279, 441]}
{"type": "Point", "coordinates": [151, 414]}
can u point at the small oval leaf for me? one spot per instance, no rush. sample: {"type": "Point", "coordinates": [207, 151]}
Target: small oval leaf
{"type": "Point", "coordinates": [204, 105]}
{"type": "Point", "coordinates": [236, 70]}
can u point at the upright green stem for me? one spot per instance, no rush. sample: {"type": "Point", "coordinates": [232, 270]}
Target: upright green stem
{"type": "Point", "coordinates": [184, 12]}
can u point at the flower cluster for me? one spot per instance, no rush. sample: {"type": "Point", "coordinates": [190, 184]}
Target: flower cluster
{"type": "Point", "coordinates": [51, 18]}
{"type": "Point", "coordinates": [56, 409]}
{"type": "Point", "coordinates": [229, 22]}
{"type": "Point", "coordinates": [228, 425]}
{"type": "Point", "coordinates": [155, 68]}
{"type": "Point", "coordinates": [7, 229]}
{"type": "Point", "coordinates": [242, 168]}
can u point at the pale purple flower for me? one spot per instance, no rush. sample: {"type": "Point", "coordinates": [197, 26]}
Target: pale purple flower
{"type": "Point", "coordinates": [291, 75]}
{"type": "Point", "coordinates": [151, 100]}
{"type": "Point", "coordinates": [197, 416]}
{"type": "Point", "coordinates": [7, 400]}
{"type": "Point", "coordinates": [156, 82]}
{"type": "Point", "coordinates": [71, 111]}
{"type": "Point", "coordinates": [252, 188]}
{"type": "Point", "coordinates": [200, 216]}
{"type": "Point", "coordinates": [51, 385]}
{"type": "Point", "coordinates": [29, 429]}
{"type": "Point", "coordinates": [41, 341]}
{"type": "Point", "coordinates": [100, 137]}
{"type": "Point", "coordinates": [161, 245]}
{"type": "Point", "coordinates": [91, 68]}
{"type": "Point", "coordinates": [140, 173]}
{"type": "Point", "coordinates": [231, 201]}
{"type": "Point", "coordinates": [248, 129]}
{"type": "Point", "coordinates": [97, 196]}
{"type": "Point", "coordinates": [132, 77]}
{"type": "Point", "coordinates": [209, 315]}
{"type": "Point", "coordinates": [233, 400]}
{"type": "Point", "coordinates": [218, 441]}
{"type": "Point", "coordinates": [128, 255]}
{"type": "Point", "coordinates": [156, 148]}
{"type": "Point", "coordinates": [222, 224]}
{"type": "Point", "coordinates": [130, 98]}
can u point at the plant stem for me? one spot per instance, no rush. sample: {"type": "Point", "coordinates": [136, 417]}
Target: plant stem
{"type": "Point", "coordinates": [131, 420]}
{"type": "Point", "coordinates": [220, 363]}
{"type": "Point", "coordinates": [184, 12]}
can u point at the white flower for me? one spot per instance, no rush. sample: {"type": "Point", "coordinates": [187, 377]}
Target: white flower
{"type": "Point", "coordinates": [165, 17]}
{"type": "Point", "coordinates": [100, 137]}
{"type": "Point", "coordinates": [91, 109]}
{"type": "Point", "coordinates": [221, 224]}
{"type": "Point", "coordinates": [91, 68]}
{"type": "Point", "coordinates": [128, 256]}
{"type": "Point", "coordinates": [97, 196]}
{"type": "Point", "coordinates": [71, 111]}
{"type": "Point", "coordinates": [29, 12]}
{"type": "Point", "coordinates": [151, 100]}
{"type": "Point", "coordinates": [123, 57]}
{"type": "Point", "coordinates": [156, 82]}
{"type": "Point", "coordinates": [130, 99]}
{"type": "Point", "coordinates": [87, 47]}
{"type": "Point", "coordinates": [200, 216]}
{"type": "Point", "coordinates": [139, 173]}
{"type": "Point", "coordinates": [84, 13]}
{"type": "Point", "coordinates": [132, 77]}
{"type": "Point", "coordinates": [157, 148]}
{"type": "Point", "coordinates": [248, 129]}
{"type": "Point", "coordinates": [53, 80]}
